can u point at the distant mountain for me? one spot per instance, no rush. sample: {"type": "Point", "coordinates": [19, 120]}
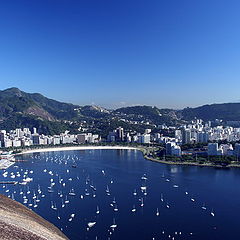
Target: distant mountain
{"type": "Point", "coordinates": [149, 113]}
{"type": "Point", "coordinates": [224, 111]}
{"type": "Point", "coordinates": [13, 100]}
{"type": "Point", "coordinates": [20, 109]}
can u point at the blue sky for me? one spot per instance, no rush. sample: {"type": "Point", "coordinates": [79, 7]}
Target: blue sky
{"type": "Point", "coordinates": [113, 53]}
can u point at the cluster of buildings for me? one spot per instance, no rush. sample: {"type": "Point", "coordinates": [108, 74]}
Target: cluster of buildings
{"type": "Point", "coordinates": [214, 149]}
{"type": "Point", "coordinates": [195, 132]}
{"type": "Point", "coordinates": [199, 132]}
{"type": "Point", "coordinates": [118, 135]}
{"type": "Point", "coordinates": [24, 137]}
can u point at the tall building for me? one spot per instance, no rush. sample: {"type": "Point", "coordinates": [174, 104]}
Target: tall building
{"type": "Point", "coordinates": [186, 136]}
{"type": "Point", "coordinates": [202, 137]}
{"type": "Point", "coordinates": [34, 130]}
{"type": "Point", "coordinates": [81, 138]}
{"type": "Point", "coordinates": [144, 138]}
{"type": "Point", "coordinates": [120, 134]}
{"type": "Point", "coordinates": [36, 139]}
{"type": "Point", "coordinates": [172, 149]}
{"type": "Point", "coordinates": [169, 148]}
{"type": "Point", "coordinates": [237, 150]}
{"type": "Point", "coordinates": [213, 149]}
{"type": "Point", "coordinates": [2, 139]}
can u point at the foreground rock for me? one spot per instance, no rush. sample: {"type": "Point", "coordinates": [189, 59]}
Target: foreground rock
{"type": "Point", "coordinates": [18, 222]}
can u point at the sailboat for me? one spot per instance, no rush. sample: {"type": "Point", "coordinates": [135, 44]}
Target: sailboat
{"type": "Point", "coordinates": [107, 191]}
{"type": "Point", "coordinates": [144, 177]}
{"type": "Point", "coordinates": [212, 213]}
{"type": "Point", "coordinates": [63, 205]}
{"type": "Point", "coordinates": [114, 225]}
{"type": "Point", "coordinates": [98, 211]}
{"type": "Point", "coordinates": [157, 213]}
{"type": "Point", "coordinates": [161, 197]}
{"type": "Point", "coordinates": [134, 208]}
{"type": "Point", "coordinates": [204, 207]}
{"type": "Point", "coordinates": [142, 204]}
{"type": "Point", "coordinates": [86, 192]}
{"type": "Point", "coordinates": [35, 204]}
{"type": "Point", "coordinates": [91, 224]}
{"type": "Point", "coordinates": [72, 193]}
{"type": "Point", "coordinates": [115, 209]}
{"type": "Point", "coordinates": [50, 190]}
{"type": "Point", "coordinates": [66, 200]}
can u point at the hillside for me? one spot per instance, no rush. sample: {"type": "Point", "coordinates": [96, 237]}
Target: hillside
{"type": "Point", "coordinates": [224, 111]}
{"type": "Point", "coordinates": [18, 222]}
{"type": "Point", "coordinates": [19, 109]}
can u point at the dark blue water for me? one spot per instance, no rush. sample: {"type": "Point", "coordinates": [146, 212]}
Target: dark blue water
{"type": "Point", "coordinates": [121, 171]}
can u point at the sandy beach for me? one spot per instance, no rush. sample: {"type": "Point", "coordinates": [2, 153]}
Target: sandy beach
{"type": "Point", "coordinates": [77, 148]}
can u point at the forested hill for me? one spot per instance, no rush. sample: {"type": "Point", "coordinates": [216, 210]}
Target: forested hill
{"type": "Point", "coordinates": [20, 109]}
{"type": "Point", "coordinates": [224, 111]}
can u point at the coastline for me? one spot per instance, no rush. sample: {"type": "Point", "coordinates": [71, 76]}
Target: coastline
{"type": "Point", "coordinates": [53, 149]}
{"type": "Point", "coordinates": [192, 163]}
{"type": "Point", "coordinates": [142, 149]}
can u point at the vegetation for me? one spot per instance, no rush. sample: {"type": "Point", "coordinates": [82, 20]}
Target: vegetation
{"type": "Point", "coordinates": [225, 111]}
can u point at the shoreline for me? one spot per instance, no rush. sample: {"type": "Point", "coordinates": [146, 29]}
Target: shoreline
{"type": "Point", "coordinates": [192, 163]}
{"type": "Point", "coordinates": [57, 149]}
{"type": "Point", "coordinates": [141, 149]}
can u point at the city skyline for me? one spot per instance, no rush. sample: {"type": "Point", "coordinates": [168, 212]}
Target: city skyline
{"type": "Point", "coordinates": [122, 53]}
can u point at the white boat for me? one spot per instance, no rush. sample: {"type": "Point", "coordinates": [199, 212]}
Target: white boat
{"type": "Point", "coordinates": [97, 211]}
{"type": "Point", "coordinates": [108, 191]}
{"type": "Point", "coordinates": [115, 209]}
{"type": "Point", "coordinates": [86, 192]}
{"type": "Point", "coordinates": [134, 209]}
{"type": "Point", "coordinates": [114, 225]}
{"type": "Point", "coordinates": [50, 190]}
{"type": "Point", "coordinates": [142, 204]}
{"type": "Point", "coordinates": [28, 179]}
{"type": "Point", "coordinates": [157, 213]}
{"type": "Point", "coordinates": [135, 192]}
{"type": "Point", "coordinates": [66, 200]}
{"type": "Point", "coordinates": [161, 197]}
{"type": "Point", "coordinates": [204, 207]}
{"type": "Point", "coordinates": [91, 224]}
{"type": "Point", "coordinates": [72, 193]}
{"type": "Point", "coordinates": [212, 213]}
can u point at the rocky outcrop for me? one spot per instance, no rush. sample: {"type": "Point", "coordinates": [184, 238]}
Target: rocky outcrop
{"type": "Point", "coordinates": [39, 112]}
{"type": "Point", "coordinates": [18, 222]}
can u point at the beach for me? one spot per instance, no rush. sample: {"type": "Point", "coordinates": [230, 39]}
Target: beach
{"type": "Point", "coordinates": [72, 148]}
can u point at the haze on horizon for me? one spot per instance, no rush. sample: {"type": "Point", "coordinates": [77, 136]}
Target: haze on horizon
{"type": "Point", "coordinates": [120, 53]}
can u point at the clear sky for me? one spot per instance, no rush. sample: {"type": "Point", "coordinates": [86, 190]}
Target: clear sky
{"type": "Point", "coordinates": [113, 53]}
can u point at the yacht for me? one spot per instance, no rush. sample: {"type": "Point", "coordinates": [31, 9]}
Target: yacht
{"type": "Point", "coordinates": [91, 224]}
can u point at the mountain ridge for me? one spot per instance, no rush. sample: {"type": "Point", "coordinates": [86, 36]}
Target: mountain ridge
{"type": "Point", "coordinates": [20, 109]}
